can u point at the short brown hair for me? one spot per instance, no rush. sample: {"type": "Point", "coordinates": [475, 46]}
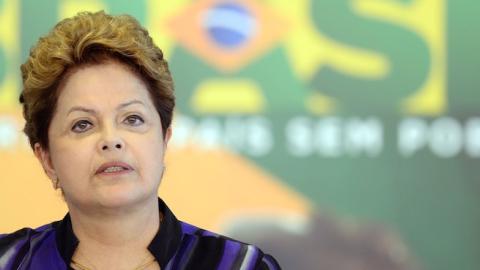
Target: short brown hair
{"type": "Point", "coordinates": [85, 39]}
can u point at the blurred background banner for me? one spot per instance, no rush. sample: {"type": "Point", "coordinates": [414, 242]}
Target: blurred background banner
{"type": "Point", "coordinates": [336, 134]}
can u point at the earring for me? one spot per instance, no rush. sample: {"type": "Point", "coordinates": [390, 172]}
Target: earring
{"type": "Point", "coordinates": [55, 182]}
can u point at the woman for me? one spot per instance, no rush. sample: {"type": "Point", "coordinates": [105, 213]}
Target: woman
{"type": "Point", "coordinates": [98, 101]}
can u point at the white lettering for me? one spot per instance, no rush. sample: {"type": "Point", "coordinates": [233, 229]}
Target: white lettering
{"type": "Point", "coordinates": [259, 139]}
{"type": "Point", "coordinates": [363, 136]}
{"type": "Point", "coordinates": [299, 136]}
{"type": "Point", "coordinates": [328, 137]}
{"type": "Point", "coordinates": [472, 137]}
{"type": "Point", "coordinates": [445, 137]}
{"type": "Point", "coordinates": [412, 136]}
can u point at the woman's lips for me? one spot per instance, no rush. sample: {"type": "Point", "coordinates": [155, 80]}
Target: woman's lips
{"type": "Point", "coordinates": [114, 168]}
{"type": "Point", "coordinates": [115, 173]}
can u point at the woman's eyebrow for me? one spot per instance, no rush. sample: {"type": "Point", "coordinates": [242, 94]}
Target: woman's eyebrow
{"type": "Point", "coordinates": [128, 103]}
{"type": "Point", "coordinates": [81, 109]}
{"type": "Point", "coordinates": [92, 111]}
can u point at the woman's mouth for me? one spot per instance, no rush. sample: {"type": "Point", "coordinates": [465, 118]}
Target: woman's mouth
{"type": "Point", "coordinates": [114, 168]}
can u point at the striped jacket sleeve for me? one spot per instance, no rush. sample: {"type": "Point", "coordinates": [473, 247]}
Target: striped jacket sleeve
{"type": "Point", "coordinates": [268, 263]}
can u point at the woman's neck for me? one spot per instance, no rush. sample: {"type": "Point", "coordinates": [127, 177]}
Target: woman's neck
{"type": "Point", "coordinates": [115, 239]}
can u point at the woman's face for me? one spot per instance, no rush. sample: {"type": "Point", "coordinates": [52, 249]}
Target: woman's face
{"type": "Point", "coordinates": [105, 139]}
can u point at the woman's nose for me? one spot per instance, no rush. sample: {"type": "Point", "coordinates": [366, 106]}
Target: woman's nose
{"type": "Point", "coordinates": [111, 141]}
{"type": "Point", "coordinates": [107, 146]}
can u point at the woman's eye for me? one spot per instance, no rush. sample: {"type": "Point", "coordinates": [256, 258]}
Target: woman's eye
{"type": "Point", "coordinates": [81, 126]}
{"type": "Point", "coordinates": [134, 120]}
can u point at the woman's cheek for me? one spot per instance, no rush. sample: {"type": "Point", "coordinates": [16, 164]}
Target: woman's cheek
{"type": "Point", "coordinates": [74, 160]}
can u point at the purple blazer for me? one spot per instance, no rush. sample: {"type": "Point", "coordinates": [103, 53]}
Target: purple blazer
{"type": "Point", "coordinates": [177, 245]}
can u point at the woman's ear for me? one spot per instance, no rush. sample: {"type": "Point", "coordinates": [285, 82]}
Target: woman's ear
{"type": "Point", "coordinates": [168, 135]}
{"type": "Point", "coordinates": [43, 156]}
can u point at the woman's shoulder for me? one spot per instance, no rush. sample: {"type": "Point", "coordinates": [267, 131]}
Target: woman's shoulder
{"type": "Point", "coordinates": [16, 245]}
{"type": "Point", "coordinates": [223, 250]}
{"type": "Point", "coordinates": [24, 235]}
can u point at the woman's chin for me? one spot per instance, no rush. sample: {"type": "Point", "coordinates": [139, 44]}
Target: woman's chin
{"type": "Point", "coordinates": [118, 197]}
{"type": "Point", "coordinates": [121, 199]}
{"type": "Point", "coordinates": [116, 202]}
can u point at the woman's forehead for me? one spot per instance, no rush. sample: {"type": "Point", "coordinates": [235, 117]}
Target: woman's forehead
{"type": "Point", "coordinates": [110, 85]}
